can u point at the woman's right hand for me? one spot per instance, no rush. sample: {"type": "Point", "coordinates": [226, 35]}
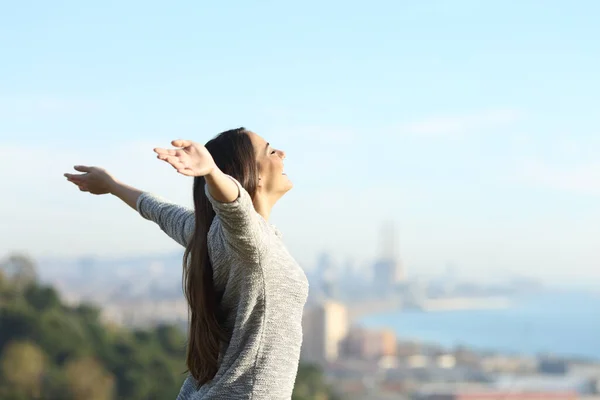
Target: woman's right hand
{"type": "Point", "coordinates": [94, 179]}
{"type": "Point", "coordinates": [191, 159]}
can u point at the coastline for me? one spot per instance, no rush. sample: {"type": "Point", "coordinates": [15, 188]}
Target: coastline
{"type": "Point", "coordinates": [564, 325]}
{"type": "Point", "coordinates": [368, 308]}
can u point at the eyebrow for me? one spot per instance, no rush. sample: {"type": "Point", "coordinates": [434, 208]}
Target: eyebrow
{"type": "Point", "coordinates": [267, 147]}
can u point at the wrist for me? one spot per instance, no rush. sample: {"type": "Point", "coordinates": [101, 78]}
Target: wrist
{"type": "Point", "coordinates": [113, 186]}
{"type": "Point", "coordinates": [213, 172]}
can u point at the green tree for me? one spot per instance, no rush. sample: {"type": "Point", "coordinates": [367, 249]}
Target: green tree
{"type": "Point", "coordinates": [41, 298]}
{"type": "Point", "coordinates": [55, 384]}
{"type": "Point", "coordinates": [88, 312]}
{"type": "Point", "coordinates": [171, 339]}
{"type": "Point", "coordinates": [62, 335]}
{"type": "Point", "coordinates": [311, 384]}
{"type": "Point", "coordinates": [86, 379]}
{"type": "Point", "coordinates": [23, 365]}
{"type": "Point", "coordinates": [17, 322]}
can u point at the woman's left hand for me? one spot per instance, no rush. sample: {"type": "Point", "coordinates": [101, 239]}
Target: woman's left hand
{"type": "Point", "coordinates": [191, 159]}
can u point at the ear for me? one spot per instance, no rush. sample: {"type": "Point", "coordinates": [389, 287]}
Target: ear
{"type": "Point", "coordinates": [260, 184]}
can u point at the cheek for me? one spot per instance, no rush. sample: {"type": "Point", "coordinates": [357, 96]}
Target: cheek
{"type": "Point", "coordinates": [267, 169]}
{"type": "Point", "coordinates": [270, 170]}
{"type": "Point", "coordinates": [279, 164]}
{"type": "Point", "coordinates": [274, 166]}
{"type": "Point", "coordinates": [264, 167]}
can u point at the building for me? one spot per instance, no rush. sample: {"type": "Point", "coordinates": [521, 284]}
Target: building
{"type": "Point", "coordinates": [324, 326]}
{"type": "Point", "coordinates": [388, 270]}
{"type": "Point", "coordinates": [509, 364]}
{"type": "Point", "coordinates": [498, 395]}
{"type": "Point", "coordinates": [370, 344]}
{"type": "Point", "coordinates": [553, 366]}
{"type": "Point", "coordinates": [327, 277]}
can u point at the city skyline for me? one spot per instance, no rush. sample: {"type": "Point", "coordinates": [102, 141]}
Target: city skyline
{"type": "Point", "coordinates": [470, 125]}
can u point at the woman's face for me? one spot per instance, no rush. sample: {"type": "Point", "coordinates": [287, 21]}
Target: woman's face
{"type": "Point", "coordinates": [273, 181]}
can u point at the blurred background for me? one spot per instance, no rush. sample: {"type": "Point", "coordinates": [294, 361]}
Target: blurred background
{"type": "Point", "coordinates": [446, 203]}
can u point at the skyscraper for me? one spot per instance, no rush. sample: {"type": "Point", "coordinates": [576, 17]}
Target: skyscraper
{"type": "Point", "coordinates": [389, 270]}
{"type": "Point", "coordinates": [327, 276]}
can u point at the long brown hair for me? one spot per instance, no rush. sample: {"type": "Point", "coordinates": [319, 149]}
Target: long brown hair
{"type": "Point", "coordinates": [233, 153]}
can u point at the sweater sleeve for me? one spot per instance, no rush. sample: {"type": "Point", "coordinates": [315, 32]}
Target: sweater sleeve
{"type": "Point", "coordinates": [239, 223]}
{"type": "Point", "coordinates": [176, 221]}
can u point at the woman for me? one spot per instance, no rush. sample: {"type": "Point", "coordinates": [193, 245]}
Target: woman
{"type": "Point", "coordinates": [244, 290]}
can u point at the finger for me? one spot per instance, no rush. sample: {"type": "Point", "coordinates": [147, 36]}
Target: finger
{"type": "Point", "coordinates": [168, 158]}
{"type": "Point", "coordinates": [74, 178]}
{"type": "Point", "coordinates": [181, 143]}
{"type": "Point", "coordinates": [82, 168]}
{"type": "Point", "coordinates": [170, 152]}
{"type": "Point", "coordinates": [173, 160]}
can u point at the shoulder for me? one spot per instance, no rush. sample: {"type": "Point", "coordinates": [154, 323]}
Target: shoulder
{"type": "Point", "coordinates": [261, 240]}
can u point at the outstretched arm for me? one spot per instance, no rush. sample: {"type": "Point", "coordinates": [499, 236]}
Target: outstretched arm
{"type": "Point", "coordinates": [176, 221]}
{"type": "Point", "coordinates": [98, 181]}
{"type": "Point", "coordinates": [128, 194]}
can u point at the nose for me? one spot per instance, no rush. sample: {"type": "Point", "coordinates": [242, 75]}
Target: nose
{"type": "Point", "coordinates": [282, 154]}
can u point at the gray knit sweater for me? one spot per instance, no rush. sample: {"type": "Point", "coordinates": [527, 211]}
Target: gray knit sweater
{"type": "Point", "coordinates": [264, 294]}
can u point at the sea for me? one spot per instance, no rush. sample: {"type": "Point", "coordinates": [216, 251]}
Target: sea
{"type": "Point", "coordinates": [559, 323]}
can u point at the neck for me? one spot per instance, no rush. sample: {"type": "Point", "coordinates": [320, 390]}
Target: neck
{"type": "Point", "coordinates": [263, 205]}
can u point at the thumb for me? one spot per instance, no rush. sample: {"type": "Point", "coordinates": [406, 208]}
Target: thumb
{"type": "Point", "coordinates": [82, 168]}
{"type": "Point", "coordinates": [181, 143]}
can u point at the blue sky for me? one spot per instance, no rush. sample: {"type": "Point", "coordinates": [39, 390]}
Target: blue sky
{"type": "Point", "coordinates": [472, 124]}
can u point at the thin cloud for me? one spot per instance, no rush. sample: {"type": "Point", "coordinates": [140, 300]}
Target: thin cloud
{"type": "Point", "coordinates": [453, 125]}
{"type": "Point", "coordinates": [43, 105]}
{"type": "Point", "coordinates": [582, 178]}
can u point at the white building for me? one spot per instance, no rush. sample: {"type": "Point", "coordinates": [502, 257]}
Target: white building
{"type": "Point", "coordinates": [324, 326]}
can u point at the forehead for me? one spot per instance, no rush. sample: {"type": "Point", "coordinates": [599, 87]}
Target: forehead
{"type": "Point", "coordinates": [258, 142]}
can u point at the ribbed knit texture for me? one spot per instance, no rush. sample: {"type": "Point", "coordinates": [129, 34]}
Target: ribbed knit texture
{"type": "Point", "coordinates": [264, 294]}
